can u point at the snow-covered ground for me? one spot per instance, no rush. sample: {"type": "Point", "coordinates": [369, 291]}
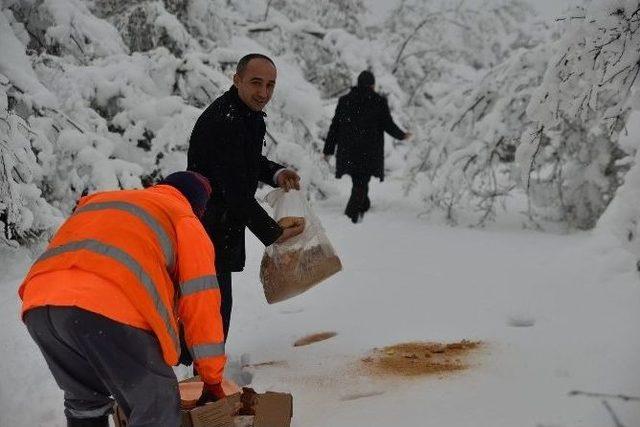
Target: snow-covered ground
{"type": "Point", "coordinates": [404, 280]}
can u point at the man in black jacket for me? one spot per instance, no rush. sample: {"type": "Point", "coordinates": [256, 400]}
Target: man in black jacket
{"type": "Point", "coordinates": [226, 147]}
{"type": "Point", "coordinates": [362, 116]}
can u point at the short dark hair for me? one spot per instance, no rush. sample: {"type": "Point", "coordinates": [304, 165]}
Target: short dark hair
{"type": "Point", "coordinates": [244, 61]}
{"type": "Point", "coordinates": [366, 78]}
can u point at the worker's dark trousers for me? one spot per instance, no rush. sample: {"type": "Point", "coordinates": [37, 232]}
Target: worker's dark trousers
{"type": "Point", "coordinates": [93, 358]}
{"type": "Point", "coordinates": [359, 201]}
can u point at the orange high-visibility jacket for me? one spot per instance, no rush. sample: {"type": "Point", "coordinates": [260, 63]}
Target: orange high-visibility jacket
{"type": "Point", "coordinates": [141, 258]}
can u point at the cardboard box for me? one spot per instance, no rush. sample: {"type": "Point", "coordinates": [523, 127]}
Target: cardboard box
{"type": "Point", "coordinates": [246, 409]}
{"type": "Point", "coordinates": [273, 410]}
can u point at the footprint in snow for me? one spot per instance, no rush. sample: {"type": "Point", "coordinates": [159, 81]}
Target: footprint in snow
{"type": "Point", "coordinates": [292, 311]}
{"type": "Point", "coordinates": [355, 396]}
{"type": "Point", "coordinates": [313, 338]}
{"type": "Point", "coordinates": [521, 320]}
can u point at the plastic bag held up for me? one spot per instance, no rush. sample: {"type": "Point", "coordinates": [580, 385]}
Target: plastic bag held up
{"type": "Point", "coordinates": [301, 262]}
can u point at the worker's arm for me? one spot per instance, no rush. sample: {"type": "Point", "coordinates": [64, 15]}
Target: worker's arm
{"type": "Point", "coordinates": [199, 301]}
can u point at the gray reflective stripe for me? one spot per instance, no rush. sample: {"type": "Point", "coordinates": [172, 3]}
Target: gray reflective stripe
{"type": "Point", "coordinates": [200, 284]}
{"type": "Point", "coordinates": [105, 409]}
{"type": "Point", "coordinates": [201, 351]}
{"type": "Point", "coordinates": [126, 260]}
{"type": "Point", "coordinates": [161, 234]}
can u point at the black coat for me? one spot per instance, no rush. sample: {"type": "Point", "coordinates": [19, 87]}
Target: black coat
{"type": "Point", "coordinates": [362, 116]}
{"type": "Point", "coordinates": [226, 147]}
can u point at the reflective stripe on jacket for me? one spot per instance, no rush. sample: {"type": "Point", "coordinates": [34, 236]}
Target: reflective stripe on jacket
{"type": "Point", "coordinates": [152, 250]}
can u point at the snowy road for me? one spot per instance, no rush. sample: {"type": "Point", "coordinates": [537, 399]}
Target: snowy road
{"type": "Point", "coordinates": [406, 280]}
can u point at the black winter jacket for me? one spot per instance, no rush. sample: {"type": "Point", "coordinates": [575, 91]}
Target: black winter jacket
{"type": "Point", "coordinates": [226, 147]}
{"type": "Point", "coordinates": [362, 116]}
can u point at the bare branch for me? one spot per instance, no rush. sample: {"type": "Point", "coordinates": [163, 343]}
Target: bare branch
{"type": "Point", "coordinates": [614, 75]}
{"type": "Point", "coordinates": [604, 395]}
{"type": "Point", "coordinates": [475, 104]}
{"type": "Point", "coordinates": [616, 420]}
{"type": "Point", "coordinates": [564, 18]}
{"type": "Point", "coordinates": [536, 135]}
{"type": "Point", "coordinates": [316, 34]}
{"type": "Point", "coordinates": [408, 39]}
{"type": "Point", "coordinates": [420, 52]}
{"type": "Point", "coordinates": [266, 12]}
{"type": "Point", "coordinates": [261, 29]}
{"type": "Point", "coordinates": [635, 76]}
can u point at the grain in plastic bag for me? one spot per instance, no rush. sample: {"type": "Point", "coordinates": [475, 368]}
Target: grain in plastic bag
{"type": "Point", "coordinates": [294, 266]}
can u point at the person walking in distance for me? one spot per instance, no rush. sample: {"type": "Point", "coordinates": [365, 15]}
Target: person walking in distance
{"type": "Point", "coordinates": [357, 130]}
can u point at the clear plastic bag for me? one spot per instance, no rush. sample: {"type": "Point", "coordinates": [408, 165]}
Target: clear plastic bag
{"type": "Point", "coordinates": [294, 266]}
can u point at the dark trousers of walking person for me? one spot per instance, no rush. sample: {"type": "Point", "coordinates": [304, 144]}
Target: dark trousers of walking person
{"type": "Point", "coordinates": [226, 301]}
{"type": "Point", "coordinates": [95, 360]}
{"type": "Point", "coordinates": [359, 202]}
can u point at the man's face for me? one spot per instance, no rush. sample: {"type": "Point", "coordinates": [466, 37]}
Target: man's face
{"type": "Point", "coordinates": [256, 83]}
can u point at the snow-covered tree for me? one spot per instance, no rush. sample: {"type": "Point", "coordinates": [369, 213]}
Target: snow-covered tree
{"type": "Point", "coordinates": [25, 216]}
{"type": "Point", "coordinates": [436, 42]}
{"type": "Point", "coordinates": [562, 101]}
{"type": "Point", "coordinates": [105, 94]}
{"type": "Point", "coordinates": [464, 168]}
{"type": "Point", "coordinates": [471, 71]}
{"type": "Point", "coordinates": [581, 108]}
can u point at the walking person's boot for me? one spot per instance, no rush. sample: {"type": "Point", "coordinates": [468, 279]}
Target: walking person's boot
{"type": "Point", "coordinates": [354, 207]}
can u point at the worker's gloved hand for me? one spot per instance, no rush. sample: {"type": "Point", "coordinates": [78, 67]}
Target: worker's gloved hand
{"type": "Point", "coordinates": [211, 393]}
